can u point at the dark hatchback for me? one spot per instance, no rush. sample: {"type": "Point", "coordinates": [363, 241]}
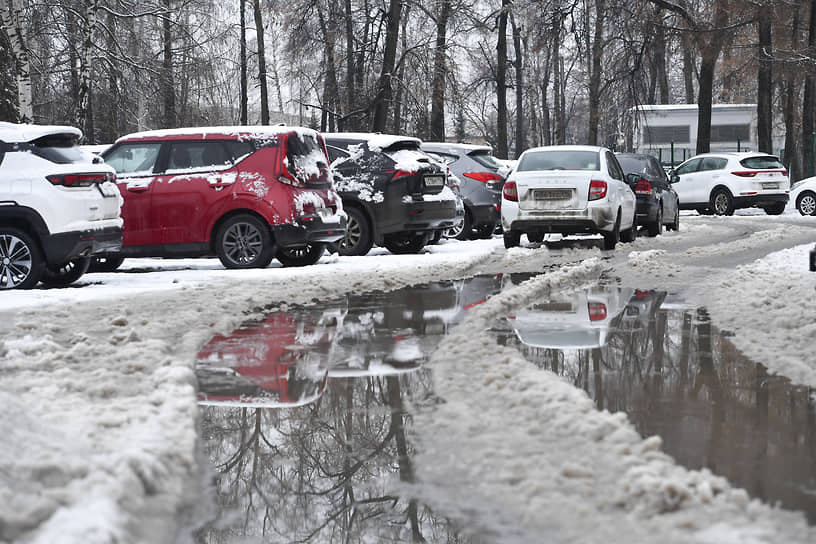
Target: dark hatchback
{"type": "Point", "coordinates": [394, 195]}
{"type": "Point", "coordinates": [657, 203]}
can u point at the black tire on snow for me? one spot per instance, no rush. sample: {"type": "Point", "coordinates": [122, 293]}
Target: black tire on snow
{"type": "Point", "coordinates": [300, 256]}
{"type": "Point", "coordinates": [66, 273]}
{"type": "Point", "coordinates": [359, 236]}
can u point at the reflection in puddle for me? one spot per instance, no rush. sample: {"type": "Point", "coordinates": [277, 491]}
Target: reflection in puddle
{"type": "Point", "coordinates": [664, 364]}
{"type": "Point", "coordinates": [328, 469]}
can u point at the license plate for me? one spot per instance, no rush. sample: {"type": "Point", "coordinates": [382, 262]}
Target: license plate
{"type": "Point", "coordinates": [434, 181]}
{"type": "Point", "coordinates": [770, 186]}
{"type": "Point", "coordinates": [552, 194]}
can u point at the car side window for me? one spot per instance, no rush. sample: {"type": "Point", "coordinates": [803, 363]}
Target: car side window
{"type": "Point", "coordinates": [134, 158]}
{"type": "Point", "coordinates": [197, 155]}
{"type": "Point", "coordinates": [2, 151]}
{"type": "Point", "coordinates": [712, 163]}
{"type": "Point", "coordinates": [688, 168]}
{"type": "Point", "coordinates": [335, 153]}
{"type": "Point", "coordinates": [613, 166]}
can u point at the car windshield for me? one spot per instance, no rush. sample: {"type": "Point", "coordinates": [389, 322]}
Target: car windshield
{"type": "Point", "coordinates": [765, 162]}
{"type": "Point", "coordinates": [557, 159]}
{"type": "Point", "coordinates": [59, 149]}
{"type": "Point", "coordinates": [630, 164]}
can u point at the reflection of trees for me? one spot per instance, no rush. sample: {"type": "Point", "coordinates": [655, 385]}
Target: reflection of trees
{"type": "Point", "coordinates": [326, 472]}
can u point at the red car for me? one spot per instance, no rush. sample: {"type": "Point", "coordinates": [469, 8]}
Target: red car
{"type": "Point", "coordinates": [246, 194]}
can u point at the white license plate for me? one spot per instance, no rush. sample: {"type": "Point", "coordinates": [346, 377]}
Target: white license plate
{"type": "Point", "coordinates": [552, 194]}
{"type": "Point", "coordinates": [434, 181]}
{"type": "Point", "coordinates": [770, 186]}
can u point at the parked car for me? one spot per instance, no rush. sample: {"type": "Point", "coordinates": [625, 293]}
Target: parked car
{"type": "Point", "coordinates": [720, 183]}
{"type": "Point", "coordinates": [245, 194]}
{"type": "Point", "coordinates": [481, 179]}
{"type": "Point", "coordinates": [394, 195]}
{"type": "Point", "coordinates": [803, 194]}
{"type": "Point", "coordinates": [657, 202]}
{"type": "Point", "coordinates": [568, 190]}
{"type": "Point", "coordinates": [58, 206]}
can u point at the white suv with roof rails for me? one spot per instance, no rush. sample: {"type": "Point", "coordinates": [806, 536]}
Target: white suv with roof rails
{"type": "Point", "coordinates": [59, 205]}
{"type": "Point", "coordinates": [720, 183]}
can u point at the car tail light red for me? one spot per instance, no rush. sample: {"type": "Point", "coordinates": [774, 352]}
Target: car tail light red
{"type": "Point", "coordinates": [597, 311]}
{"type": "Point", "coordinates": [597, 189]}
{"type": "Point", "coordinates": [484, 177]}
{"type": "Point", "coordinates": [643, 187]}
{"type": "Point", "coordinates": [752, 173]}
{"type": "Point", "coordinates": [398, 173]}
{"type": "Point", "coordinates": [80, 180]}
{"type": "Point", "coordinates": [510, 191]}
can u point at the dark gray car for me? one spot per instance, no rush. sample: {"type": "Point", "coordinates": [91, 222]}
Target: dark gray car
{"type": "Point", "coordinates": [481, 179]}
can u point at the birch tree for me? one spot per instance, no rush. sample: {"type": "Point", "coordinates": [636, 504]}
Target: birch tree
{"type": "Point", "coordinates": [12, 19]}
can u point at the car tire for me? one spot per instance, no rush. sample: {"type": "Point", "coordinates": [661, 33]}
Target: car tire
{"type": "Point", "coordinates": [467, 228]}
{"type": "Point", "coordinates": [484, 232]}
{"type": "Point", "coordinates": [106, 263]}
{"type": "Point", "coordinates": [656, 227]}
{"type": "Point", "coordinates": [722, 203]}
{"type": "Point", "coordinates": [405, 243]}
{"type": "Point", "coordinates": [437, 235]}
{"type": "Point", "coordinates": [674, 225]}
{"type": "Point", "coordinates": [536, 238]}
{"type": "Point", "coordinates": [359, 236]}
{"type": "Point", "coordinates": [612, 238]}
{"type": "Point", "coordinates": [300, 256]}
{"type": "Point", "coordinates": [65, 274]}
{"type": "Point", "coordinates": [630, 235]}
{"type": "Point", "coordinates": [454, 231]}
{"type": "Point", "coordinates": [512, 238]}
{"type": "Point", "coordinates": [244, 241]}
{"type": "Point", "coordinates": [806, 203]}
{"type": "Point", "coordinates": [776, 209]}
{"type": "Point", "coordinates": [21, 261]}
{"type": "Point", "coordinates": [705, 211]}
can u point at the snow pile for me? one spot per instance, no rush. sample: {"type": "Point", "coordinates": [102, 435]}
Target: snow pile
{"type": "Point", "coordinates": [529, 455]}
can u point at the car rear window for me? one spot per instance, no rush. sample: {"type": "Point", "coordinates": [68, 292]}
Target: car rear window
{"type": "Point", "coordinates": [305, 158]}
{"type": "Point", "coordinates": [767, 162]}
{"type": "Point", "coordinates": [560, 160]}
{"type": "Point", "coordinates": [486, 159]}
{"type": "Point", "coordinates": [59, 149]}
{"type": "Point", "coordinates": [640, 165]}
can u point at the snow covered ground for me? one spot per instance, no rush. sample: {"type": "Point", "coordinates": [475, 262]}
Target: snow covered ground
{"type": "Point", "coordinates": [99, 390]}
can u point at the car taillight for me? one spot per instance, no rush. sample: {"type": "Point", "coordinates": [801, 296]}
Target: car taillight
{"type": "Point", "coordinates": [484, 177]}
{"type": "Point", "coordinates": [745, 173]}
{"type": "Point", "coordinates": [80, 180]}
{"type": "Point", "coordinates": [510, 191]}
{"type": "Point", "coordinates": [643, 187]}
{"type": "Point", "coordinates": [597, 189]}
{"type": "Point", "coordinates": [287, 178]}
{"type": "Point", "coordinates": [597, 311]}
{"type": "Point", "coordinates": [398, 173]}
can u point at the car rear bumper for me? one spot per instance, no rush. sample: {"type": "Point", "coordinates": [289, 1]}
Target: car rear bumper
{"type": "Point", "coordinates": [421, 215]}
{"type": "Point", "coordinates": [309, 229]}
{"type": "Point", "coordinates": [760, 200]}
{"type": "Point", "coordinates": [62, 247]}
{"type": "Point", "coordinates": [485, 214]}
{"type": "Point", "coordinates": [592, 219]}
{"type": "Point", "coordinates": [647, 209]}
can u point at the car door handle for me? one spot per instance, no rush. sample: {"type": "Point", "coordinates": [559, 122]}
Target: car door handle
{"type": "Point", "coordinates": [137, 189]}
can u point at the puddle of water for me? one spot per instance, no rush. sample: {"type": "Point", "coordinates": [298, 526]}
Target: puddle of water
{"type": "Point", "coordinates": [329, 467]}
{"type": "Point", "coordinates": [663, 363]}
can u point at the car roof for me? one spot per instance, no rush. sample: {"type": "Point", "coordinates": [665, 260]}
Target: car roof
{"type": "Point", "coordinates": [568, 148]}
{"type": "Point", "coordinates": [214, 133]}
{"type": "Point", "coordinates": [17, 133]}
{"type": "Point", "coordinates": [732, 154]}
{"type": "Point", "coordinates": [373, 139]}
{"type": "Point", "coordinates": [467, 148]}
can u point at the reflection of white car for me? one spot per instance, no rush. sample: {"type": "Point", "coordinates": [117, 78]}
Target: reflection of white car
{"type": "Point", "coordinates": [576, 320]}
{"type": "Point", "coordinates": [568, 190]}
{"type": "Point", "coordinates": [803, 195]}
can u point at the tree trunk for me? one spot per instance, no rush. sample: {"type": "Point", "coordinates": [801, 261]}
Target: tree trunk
{"type": "Point", "coordinates": [351, 103]}
{"type": "Point", "coordinates": [168, 85]}
{"type": "Point", "coordinates": [12, 17]}
{"type": "Point", "coordinates": [659, 52]}
{"type": "Point", "coordinates": [595, 74]}
{"type": "Point", "coordinates": [244, 91]}
{"type": "Point", "coordinates": [501, 83]}
{"type": "Point", "coordinates": [83, 105]}
{"type": "Point", "coordinates": [400, 79]}
{"type": "Point", "coordinates": [330, 88]}
{"type": "Point", "coordinates": [518, 65]}
{"type": "Point", "coordinates": [809, 101]}
{"type": "Point", "coordinates": [259, 30]}
{"type": "Point", "coordinates": [439, 74]}
{"type": "Point", "coordinates": [706, 83]}
{"type": "Point", "coordinates": [384, 88]}
{"type": "Point", "coordinates": [764, 80]}
{"type": "Point", "coordinates": [688, 68]}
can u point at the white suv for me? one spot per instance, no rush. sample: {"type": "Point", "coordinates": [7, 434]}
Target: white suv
{"type": "Point", "coordinates": [720, 183]}
{"type": "Point", "coordinates": [58, 206]}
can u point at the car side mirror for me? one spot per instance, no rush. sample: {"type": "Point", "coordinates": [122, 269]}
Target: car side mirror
{"type": "Point", "coordinates": [674, 177]}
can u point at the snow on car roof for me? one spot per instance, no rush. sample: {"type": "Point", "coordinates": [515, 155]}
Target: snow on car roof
{"type": "Point", "coordinates": [375, 141]}
{"type": "Point", "coordinates": [568, 148]}
{"type": "Point", "coordinates": [463, 147]}
{"type": "Point", "coordinates": [258, 131]}
{"type": "Point", "coordinates": [14, 133]}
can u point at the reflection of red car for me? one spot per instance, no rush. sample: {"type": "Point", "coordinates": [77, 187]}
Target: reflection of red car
{"type": "Point", "coordinates": [260, 365]}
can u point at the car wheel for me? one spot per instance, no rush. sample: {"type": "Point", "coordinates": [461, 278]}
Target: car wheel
{"type": "Point", "coordinates": [300, 256]}
{"type": "Point", "coordinates": [630, 234]}
{"type": "Point", "coordinates": [705, 211]}
{"type": "Point", "coordinates": [454, 231]}
{"type": "Point", "coordinates": [806, 203]}
{"type": "Point", "coordinates": [244, 241]}
{"type": "Point", "coordinates": [656, 227]}
{"type": "Point", "coordinates": [359, 238]}
{"type": "Point", "coordinates": [722, 203]}
{"type": "Point", "coordinates": [106, 263]}
{"type": "Point", "coordinates": [484, 232]}
{"type": "Point", "coordinates": [611, 239]}
{"type": "Point", "coordinates": [65, 274]}
{"type": "Point", "coordinates": [535, 238]}
{"type": "Point", "coordinates": [21, 261]}
{"type": "Point", "coordinates": [675, 225]}
{"type": "Point", "coordinates": [512, 238]}
{"type": "Point", "coordinates": [437, 235]}
{"type": "Point", "coordinates": [404, 243]}
{"type": "Point", "coordinates": [776, 209]}
{"type": "Point", "coordinates": [467, 228]}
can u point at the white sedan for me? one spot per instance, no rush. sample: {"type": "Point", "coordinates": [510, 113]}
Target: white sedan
{"type": "Point", "coordinates": [568, 190]}
{"type": "Point", "coordinates": [803, 195]}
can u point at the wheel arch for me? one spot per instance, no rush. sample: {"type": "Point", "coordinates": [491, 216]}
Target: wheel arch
{"type": "Point", "coordinates": [718, 187]}
{"type": "Point", "coordinates": [232, 213]}
{"type": "Point", "coordinates": [27, 220]}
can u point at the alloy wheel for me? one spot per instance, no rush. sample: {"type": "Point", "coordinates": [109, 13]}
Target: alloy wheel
{"type": "Point", "coordinates": [807, 204]}
{"type": "Point", "coordinates": [354, 233]}
{"type": "Point", "coordinates": [16, 261]}
{"type": "Point", "coordinates": [243, 243]}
